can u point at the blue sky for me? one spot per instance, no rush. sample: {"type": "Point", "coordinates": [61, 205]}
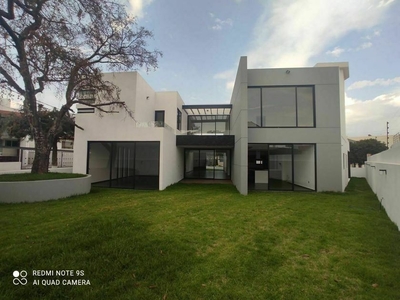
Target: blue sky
{"type": "Point", "coordinates": [202, 42]}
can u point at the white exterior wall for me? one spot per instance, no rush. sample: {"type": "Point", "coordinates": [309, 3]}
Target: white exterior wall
{"type": "Point", "coordinates": [239, 129]}
{"type": "Point", "coordinates": [383, 176]}
{"type": "Point", "coordinates": [328, 113]}
{"type": "Point", "coordinates": [170, 102]}
{"type": "Point", "coordinates": [119, 126]}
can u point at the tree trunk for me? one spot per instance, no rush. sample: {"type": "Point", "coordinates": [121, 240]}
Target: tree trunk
{"type": "Point", "coordinates": [54, 160]}
{"type": "Point", "coordinates": [42, 155]}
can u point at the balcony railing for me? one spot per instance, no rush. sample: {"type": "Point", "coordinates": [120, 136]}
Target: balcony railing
{"type": "Point", "coordinates": [154, 124]}
{"type": "Point", "coordinates": [211, 132]}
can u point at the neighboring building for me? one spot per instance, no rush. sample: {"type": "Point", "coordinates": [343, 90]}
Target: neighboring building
{"type": "Point", "coordinates": [284, 130]}
{"type": "Point", "coordinates": [16, 154]}
{"type": "Point", "coordinates": [8, 145]}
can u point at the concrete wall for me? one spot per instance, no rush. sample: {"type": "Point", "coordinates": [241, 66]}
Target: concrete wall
{"type": "Point", "coordinates": [239, 129]}
{"type": "Point", "coordinates": [43, 190]}
{"type": "Point", "coordinates": [171, 160]}
{"type": "Point", "coordinates": [9, 166]}
{"type": "Point", "coordinates": [328, 131]}
{"type": "Point", "coordinates": [358, 172]}
{"type": "Point", "coordinates": [383, 176]}
{"type": "Point", "coordinates": [170, 102]}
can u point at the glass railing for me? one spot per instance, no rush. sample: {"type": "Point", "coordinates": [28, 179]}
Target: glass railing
{"type": "Point", "coordinates": [154, 124]}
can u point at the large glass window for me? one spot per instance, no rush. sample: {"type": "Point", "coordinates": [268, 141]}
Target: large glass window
{"type": "Point", "coordinates": [99, 162]}
{"type": "Point", "coordinates": [159, 118]}
{"type": "Point", "coordinates": [281, 106]}
{"type": "Point", "coordinates": [305, 106]}
{"type": "Point", "coordinates": [283, 167]}
{"type": "Point", "coordinates": [207, 164]}
{"type": "Point", "coordinates": [254, 107]}
{"type": "Point", "coordinates": [124, 164]}
{"type": "Point", "coordinates": [147, 165]}
{"type": "Point", "coordinates": [208, 125]}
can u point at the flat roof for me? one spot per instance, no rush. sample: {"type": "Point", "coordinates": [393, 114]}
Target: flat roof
{"type": "Point", "coordinates": [208, 109]}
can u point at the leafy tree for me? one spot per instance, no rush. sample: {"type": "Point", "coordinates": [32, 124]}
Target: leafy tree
{"type": "Point", "coordinates": [65, 45]}
{"type": "Point", "coordinates": [18, 126]}
{"type": "Point", "coordinates": [360, 149]}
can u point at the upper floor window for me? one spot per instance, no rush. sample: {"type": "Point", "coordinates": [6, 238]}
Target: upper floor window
{"type": "Point", "coordinates": [179, 120]}
{"type": "Point", "coordinates": [208, 125]}
{"type": "Point", "coordinates": [288, 106]}
{"type": "Point", "coordinates": [159, 118]}
{"type": "Point", "coordinates": [87, 95]}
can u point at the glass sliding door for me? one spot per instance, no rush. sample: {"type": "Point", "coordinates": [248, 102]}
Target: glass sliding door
{"type": "Point", "coordinates": [280, 167]}
{"type": "Point", "coordinates": [122, 171]}
{"type": "Point", "coordinates": [207, 164]}
{"type": "Point", "coordinates": [192, 164]}
{"type": "Point", "coordinates": [147, 163]}
{"type": "Point", "coordinates": [304, 166]}
{"type": "Point", "coordinates": [222, 169]}
{"type": "Point", "coordinates": [132, 165]}
{"type": "Point", "coordinates": [99, 162]}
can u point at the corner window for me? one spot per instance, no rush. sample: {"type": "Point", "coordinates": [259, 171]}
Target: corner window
{"type": "Point", "coordinates": [287, 106]}
{"type": "Point", "coordinates": [179, 120]}
{"type": "Point", "coordinates": [159, 118]}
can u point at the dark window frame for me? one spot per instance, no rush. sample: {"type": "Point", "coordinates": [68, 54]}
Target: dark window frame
{"type": "Point", "coordinates": [161, 122]}
{"type": "Point", "coordinates": [111, 155]}
{"type": "Point", "coordinates": [215, 121]}
{"type": "Point", "coordinates": [292, 147]}
{"type": "Point", "coordinates": [296, 105]}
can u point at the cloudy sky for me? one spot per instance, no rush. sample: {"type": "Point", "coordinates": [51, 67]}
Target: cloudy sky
{"type": "Point", "coordinates": [202, 42]}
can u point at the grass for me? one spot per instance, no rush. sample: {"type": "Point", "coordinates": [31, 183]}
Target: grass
{"type": "Point", "coordinates": [204, 242]}
{"type": "Point", "coordinates": [33, 177]}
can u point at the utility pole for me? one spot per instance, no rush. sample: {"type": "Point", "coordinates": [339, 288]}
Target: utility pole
{"type": "Point", "coordinates": [387, 135]}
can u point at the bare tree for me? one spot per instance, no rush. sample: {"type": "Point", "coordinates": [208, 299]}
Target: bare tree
{"type": "Point", "coordinates": [66, 44]}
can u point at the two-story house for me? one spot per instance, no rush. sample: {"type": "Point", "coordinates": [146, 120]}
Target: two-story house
{"type": "Point", "coordinates": [283, 130]}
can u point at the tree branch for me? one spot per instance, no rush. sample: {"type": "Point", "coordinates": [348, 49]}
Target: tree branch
{"type": "Point", "coordinates": [10, 13]}
{"type": "Point", "coordinates": [11, 81]}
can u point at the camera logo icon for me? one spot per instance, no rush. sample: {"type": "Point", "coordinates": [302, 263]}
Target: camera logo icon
{"type": "Point", "coordinates": [20, 277]}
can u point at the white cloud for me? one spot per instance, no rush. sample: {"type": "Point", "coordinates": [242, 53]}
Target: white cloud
{"type": "Point", "coordinates": [290, 32]}
{"type": "Point", "coordinates": [220, 24]}
{"type": "Point", "coordinates": [374, 34]}
{"type": "Point", "coordinates": [370, 117]}
{"type": "Point", "coordinates": [229, 74]}
{"type": "Point", "coordinates": [136, 7]}
{"type": "Point", "coordinates": [377, 82]}
{"type": "Point", "coordinates": [336, 51]}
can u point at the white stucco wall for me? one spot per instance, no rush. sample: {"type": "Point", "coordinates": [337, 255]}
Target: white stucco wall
{"type": "Point", "coordinates": [358, 172]}
{"type": "Point", "coordinates": [119, 126]}
{"type": "Point", "coordinates": [239, 129]}
{"type": "Point", "coordinates": [171, 160]}
{"type": "Point", "coordinates": [383, 176]}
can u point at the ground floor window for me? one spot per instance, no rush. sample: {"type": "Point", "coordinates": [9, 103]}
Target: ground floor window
{"type": "Point", "coordinates": [283, 167]}
{"type": "Point", "coordinates": [132, 165]}
{"type": "Point", "coordinates": [207, 164]}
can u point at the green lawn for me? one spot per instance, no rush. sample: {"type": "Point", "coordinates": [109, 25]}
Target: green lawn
{"type": "Point", "coordinates": [204, 242]}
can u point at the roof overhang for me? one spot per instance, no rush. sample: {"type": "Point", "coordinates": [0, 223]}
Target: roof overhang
{"type": "Point", "coordinates": [208, 109]}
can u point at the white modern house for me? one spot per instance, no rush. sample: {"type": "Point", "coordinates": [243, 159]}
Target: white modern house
{"type": "Point", "coordinates": [283, 130]}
